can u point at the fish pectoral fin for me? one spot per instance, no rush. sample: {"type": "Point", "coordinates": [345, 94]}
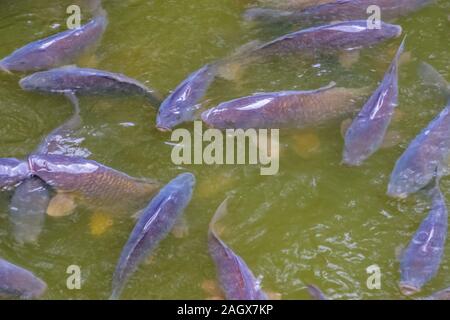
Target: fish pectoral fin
{"type": "Point", "coordinates": [100, 223]}
{"type": "Point", "coordinates": [61, 205]}
{"type": "Point", "coordinates": [348, 58]}
{"type": "Point", "coordinates": [181, 228]}
{"type": "Point", "coordinates": [136, 215]}
{"type": "Point", "coordinates": [399, 251]}
{"type": "Point", "coordinates": [231, 71]}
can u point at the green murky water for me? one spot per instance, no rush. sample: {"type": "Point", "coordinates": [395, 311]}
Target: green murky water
{"type": "Point", "coordinates": [315, 222]}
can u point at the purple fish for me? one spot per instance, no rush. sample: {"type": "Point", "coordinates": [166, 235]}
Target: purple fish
{"type": "Point", "coordinates": [27, 210]}
{"type": "Point", "coordinates": [347, 35]}
{"type": "Point", "coordinates": [285, 109]}
{"type": "Point", "coordinates": [366, 133]}
{"type": "Point", "coordinates": [316, 293]}
{"type": "Point", "coordinates": [424, 158]}
{"type": "Point", "coordinates": [18, 283]}
{"type": "Point", "coordinates": [85, 81]}
{"type": "Point", "coordinates": [153, 225]}
{"type": "Point", "coordinates": [422, 257]}
{"type": "Point", "coordinates": [31, 198]}
{"type": "Point", "coordinates": [181, 104]}
{"type": "Point", "coordinates": [12, 172]}
{"type": "Point", "coordinates": [339, 10]}
{"type": "Point", "coordinates": [56, 50]}
{"type": "Point", "coordinates": [93, 183]}
{"type": "Point", "coordinates": [236, 279]}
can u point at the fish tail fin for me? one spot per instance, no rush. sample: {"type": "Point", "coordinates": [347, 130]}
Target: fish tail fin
{"type": "Point", "coordinates": [430, 77]}
{"type": "Point", "coordinates": [154, 98]}
{"type": "Point", "coordinates": [74, 101]}
{"type": "Point", "coordinates": [266, 15]}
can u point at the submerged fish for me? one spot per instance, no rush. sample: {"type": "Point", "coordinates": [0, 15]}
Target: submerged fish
{"type": "Point", "coordinates": [181, 104]}
{"type": "Point", "coordinates": [153, 225]}
{"type": "Point", "coordinates": [316, 293]}
{"type": "Point", "coordinates": [27, 210]}
{"type": "Point", "coordinates": [85, 81]}
{"type": "Point", "coordinates": [56, 50]}
{"type": "Point", "coordinates": [340, 10]}
{"type": "Point", "coordinates": [285, 109]}
{"type": "Point", "coordinates": [18, 283]}
{"type": "Point", "coordinates": [366, 133]}
{"type": "Point", "coordinates": [425, 157]}
{"type": "Point", "coordinates": [349, 35]}
{"type": "Point", "coordinates": [92, 183]}
{"type": "Point", "coordinates": [31, 198]}
{"type": "Point", "coordinates": [422, 257]}
{"type": "Point", "coordinates": [12, 172]}
{"type": "Point", "coordinates": [236, 279]}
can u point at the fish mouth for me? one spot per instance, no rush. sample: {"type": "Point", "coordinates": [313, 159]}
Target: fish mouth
{"type": "Point", "coordinates": [397, 195]}
{"type": "Point", "coordinates": [4, 69]}
{"type": "Point", "coordinates": [408, 289]}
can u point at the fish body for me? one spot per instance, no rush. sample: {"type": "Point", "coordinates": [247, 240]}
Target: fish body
{"type": "Point", "coordinates": [367, 131]}
{"type": "Point", "coordinates": [348, 35]}
{"type": "Point", "coordinates": [340, 10]}
{"type": "Point", "coordinates": [27, 210]}
{"type": "Point", "coordinates": [180, 105]}
{"type": "Point", "coordinates": [12, 172]}
{"type": "Point", "coordinates": [86, 81]}
{"type": "Point", "coordinates": [56, 50]}
{"type": "Point", "coordinates": [152, 226]}
{"type": "Point", "coordinates": [236, 278]}
{"type": "Point", "coordinates": [91, 182]}
{"type": "Point", "coordinates": [286, 109]}
{"type": "Point", "coordinates": [422, 258]}
{"type": "Point", "coordinates": [426, 156]}
{"type": "Point", "coordinates": [18, 283]}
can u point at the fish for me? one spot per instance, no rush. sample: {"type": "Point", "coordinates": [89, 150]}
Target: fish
{"type": "Point", "coordinates": [56, 50]}
{"type": "Point", "coordinates": [18, 283]}
{"type": "Point", "coordinates": [94, 184]}
{"type": "Point", "coordinates": [440, 295]}
{"type": "Point", "coordinates": [32, 197]}
{"type": "Point", "coordinates": [367, 131]}
{"type": "Point", "coordinates": [285, 109]}
{"type": "Point", "coordinates": [12, 172]}
{"type": "Point", "coordinates": [425, 157]}
{"type": "Point", "coordinates": [75, 81]}
{"type": "Point", "coordinates": [316, 293]}
{"type": "Point", "coordinates": [348, 36]}
{"type": "Point", "coordinates": [422, 258]}
{"type": "Point", "coordinates": [153, 225]}
{"type": "Point", "coordinates": [27, 210]}
{"type": "Point", "coordinates": [339, 10]}
{"type": "Point", "coordinates": [236, 279]}
{"type": "Point", "coordinates": [181, 104]}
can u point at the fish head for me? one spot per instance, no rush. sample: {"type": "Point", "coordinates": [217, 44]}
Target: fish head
{"type": "Point", "coordinates": [165, 121]}
{"type": "Point", "coordinates": [12, 171]}
{"type": "Point", "coordinates": [409, 178]}
{"type": "Point", "coordinates": [388, 31]}
{"type": "Point", "coordinates": [187, 179]}
{"type": "Point", "coordinates": [36, 288]}
{"type": "Point", "coordinates": [33, 82]}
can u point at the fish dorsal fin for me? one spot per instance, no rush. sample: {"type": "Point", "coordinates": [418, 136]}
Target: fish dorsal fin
{"type": "Point", "coordinates": [221, 211]}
